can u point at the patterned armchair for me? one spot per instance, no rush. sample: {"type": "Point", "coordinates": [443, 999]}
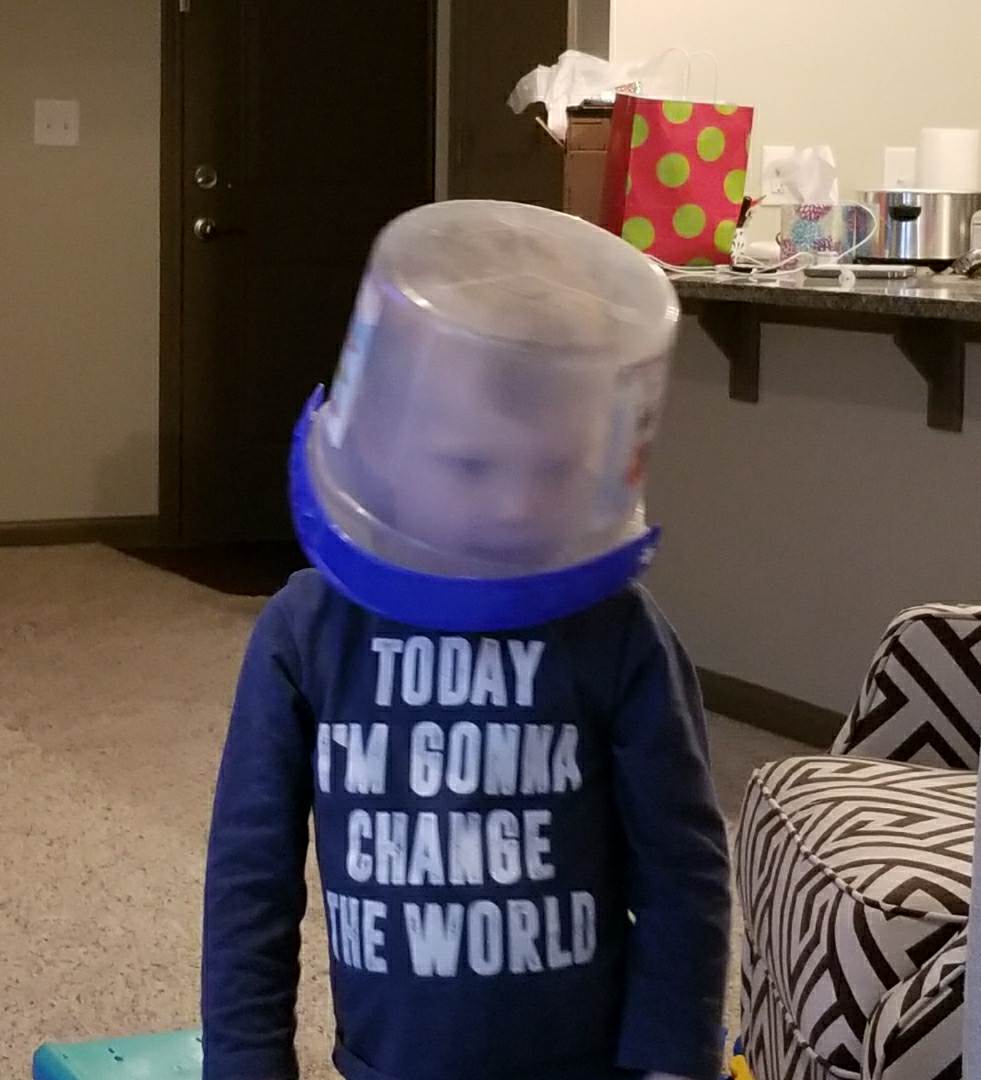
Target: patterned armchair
{"type": "Point", "coordinates": [854, 872]}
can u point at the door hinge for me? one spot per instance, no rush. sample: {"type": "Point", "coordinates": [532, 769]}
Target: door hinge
{"type": "Point", "coordinates": [184, 6]}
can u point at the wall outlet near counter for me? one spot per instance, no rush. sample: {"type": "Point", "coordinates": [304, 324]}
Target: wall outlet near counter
{"type": "Point", "coordinates": [772, 186]}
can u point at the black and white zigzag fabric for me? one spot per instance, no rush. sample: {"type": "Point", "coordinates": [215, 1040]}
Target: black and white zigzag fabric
{"type": "Point", "coordinates": [921, 700]}
{"type": "Point", "coordinates": [853, 875]}
{"type": "Point", "coordinates": [773, 1046]}
{"type": "Point", "coordinates": [917, 1029]}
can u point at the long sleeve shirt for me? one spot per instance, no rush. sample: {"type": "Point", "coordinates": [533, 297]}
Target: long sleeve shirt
{"type": "Point", "coordinates": [523, 861]}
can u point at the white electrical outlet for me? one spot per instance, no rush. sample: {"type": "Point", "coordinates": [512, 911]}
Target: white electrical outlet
{"type": "Point", "coordinates": [774, 192]}
{"type": "Point", "coordinates": [56, 123]}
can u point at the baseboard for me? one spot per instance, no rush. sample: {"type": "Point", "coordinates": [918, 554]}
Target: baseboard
{"type": "Point", "coordinates": [769, 709]}
{"type": "Point", "coordinates": [133, 532]}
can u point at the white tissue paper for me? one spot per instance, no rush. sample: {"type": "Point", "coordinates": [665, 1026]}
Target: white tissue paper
{"type": "Point", "coordinates": [809, 176]}
{"type": "Point", "coordinates": [577, 77]}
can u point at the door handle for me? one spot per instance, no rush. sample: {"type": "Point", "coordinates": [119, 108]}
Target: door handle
{"type": "Point", "coordinates": [206, 229]}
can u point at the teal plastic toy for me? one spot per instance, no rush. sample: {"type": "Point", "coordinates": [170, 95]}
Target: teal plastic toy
{"type": "Point", "coordinates": [174, 1056]}
{"type": "Point", "coordinates": [161, 1057]}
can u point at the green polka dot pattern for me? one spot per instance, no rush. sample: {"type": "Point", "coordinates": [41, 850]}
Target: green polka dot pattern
{"type": "Point", "coordinates": [724, 232]}
{"type": "Point", "coordinates": [639, 231]}
{"type": "Point", "coordinates": [677, 112]}
{"type": "Point", "coordinates": [689, 221]}
{"type": "Point", "coordinates": [640, 132]}
{"type": "Point", "coordinates": [673, 170]}
{"type": "Point", "coordinates": [711, 144]}
{"type": "Point", "coordinates": [734, 185]}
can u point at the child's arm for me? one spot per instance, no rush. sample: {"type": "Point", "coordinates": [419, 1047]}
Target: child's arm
{"type": "Point", "coordinates": [677, 861]}
{"type": "Point", "coordinates": [255, 892]}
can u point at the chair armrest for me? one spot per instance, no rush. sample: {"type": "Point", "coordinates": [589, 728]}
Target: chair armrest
{"type": "Point", "coordinates": [916, 1030]}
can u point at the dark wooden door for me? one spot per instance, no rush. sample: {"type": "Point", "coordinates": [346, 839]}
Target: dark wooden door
{"type": "Point", "coordinates": [301, 129]}
{"type": "Point", "coordinates": [493, 153]}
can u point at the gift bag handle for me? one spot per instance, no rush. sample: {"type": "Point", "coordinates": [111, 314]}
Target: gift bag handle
{"type": "Point", "coordinates": [652, 66]}
{"type": "Point", "coordinates": [715, 73]}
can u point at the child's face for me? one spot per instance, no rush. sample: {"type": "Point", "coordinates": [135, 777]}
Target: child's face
{"type": "Point", "coordinates": [485, 482]}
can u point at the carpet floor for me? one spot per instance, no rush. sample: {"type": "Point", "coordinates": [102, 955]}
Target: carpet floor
{"type": "Point", "coordinates": [115, 683]}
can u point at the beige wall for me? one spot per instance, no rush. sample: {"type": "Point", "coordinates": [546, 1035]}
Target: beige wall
{"type": "Point", "coordinates": [79, 260]}
{"type": "Point", "coordinates": [795, 528]}
{"type": "Point", "coordinates": [856, 74]}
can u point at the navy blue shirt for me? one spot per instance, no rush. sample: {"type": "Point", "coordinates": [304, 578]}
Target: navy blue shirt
{"type": "Point", "coordinates": [523, 861]}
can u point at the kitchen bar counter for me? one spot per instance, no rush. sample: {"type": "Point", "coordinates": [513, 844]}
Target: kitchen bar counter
{"type": "Point", "coordinates": [937, 296]}
{"type": "Point", "coordinates": [929, 317]}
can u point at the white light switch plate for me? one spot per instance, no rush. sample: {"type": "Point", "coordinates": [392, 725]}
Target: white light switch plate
{"type": "Point", "coordinates": [56, 123]}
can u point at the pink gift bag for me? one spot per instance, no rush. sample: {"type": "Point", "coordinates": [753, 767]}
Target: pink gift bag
{"type": "Point", "coordinates": [676, 176]}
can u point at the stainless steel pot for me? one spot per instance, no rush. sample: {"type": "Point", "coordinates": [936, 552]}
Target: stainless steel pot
{"type": "Point", "coordinates": [920, 226]}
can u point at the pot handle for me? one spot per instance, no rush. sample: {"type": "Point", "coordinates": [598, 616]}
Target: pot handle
{"type": "Point", "coordinates": [904, 212]}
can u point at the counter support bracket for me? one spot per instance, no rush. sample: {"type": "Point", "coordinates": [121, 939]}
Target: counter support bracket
{"type": "Point", "coordinates": [735, 329]}
{"type": "Point", "coordinates": [935, 347]}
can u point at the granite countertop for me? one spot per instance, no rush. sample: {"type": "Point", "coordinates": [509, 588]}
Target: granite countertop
{"type": "Point", "coordinates": [935, 296]}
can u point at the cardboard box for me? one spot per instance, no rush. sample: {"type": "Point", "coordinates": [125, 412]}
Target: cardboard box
{"type": "Point", "coordinates": [584, 160]}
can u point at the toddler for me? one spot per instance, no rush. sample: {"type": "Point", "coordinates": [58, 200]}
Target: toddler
{"type": "Point", "coordinates": [499, 738]}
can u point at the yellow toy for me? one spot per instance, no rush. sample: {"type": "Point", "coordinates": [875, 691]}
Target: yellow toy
{"type": "Point", "coordinates": [738, 1065]}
